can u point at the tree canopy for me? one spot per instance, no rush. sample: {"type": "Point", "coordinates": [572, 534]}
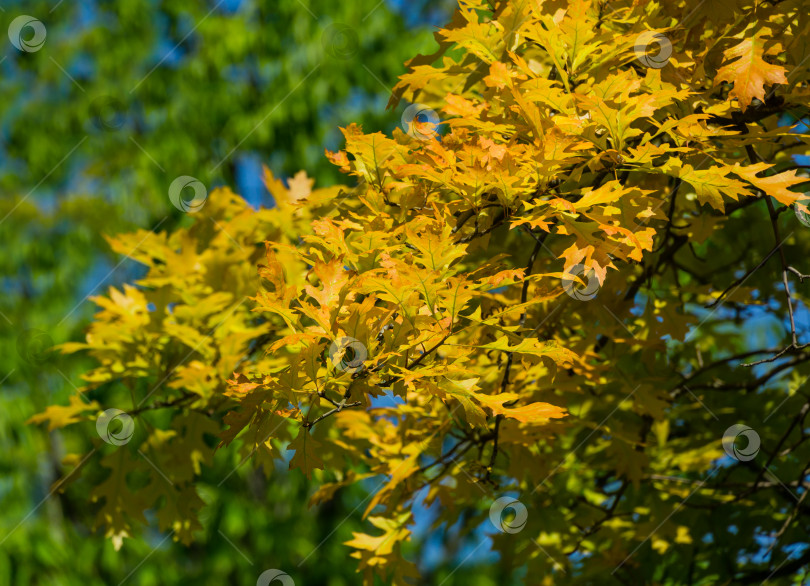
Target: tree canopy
{"type": "Point", "coordinates": [71, 171]}
{"type": "Point", "coordinates": [564, 301]}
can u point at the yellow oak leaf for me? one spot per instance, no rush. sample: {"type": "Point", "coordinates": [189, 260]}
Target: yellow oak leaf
{"type": "Point", "coordinates": [300, 186]}
{"type": "Point", "coordinates": [750, 73]}
{"type": "Point", "coordinates": [61, 416]}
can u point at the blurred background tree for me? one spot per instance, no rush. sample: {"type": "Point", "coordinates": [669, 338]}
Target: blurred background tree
{"type": "Point", "coordinates": [122, 97]}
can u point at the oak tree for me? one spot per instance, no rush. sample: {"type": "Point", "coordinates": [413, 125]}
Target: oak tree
{"type": "Point", "coordinates": [566, 299]}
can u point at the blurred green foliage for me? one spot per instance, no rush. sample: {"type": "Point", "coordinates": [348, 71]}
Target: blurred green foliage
{"type": "Point", "coordinates": [122, 97]}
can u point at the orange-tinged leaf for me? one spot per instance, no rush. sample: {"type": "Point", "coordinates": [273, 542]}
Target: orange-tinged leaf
{"type": "Point", "coordinates": [300, 186]}
{"type": "Point", "coordinates": [777, 186]}
{"type": "Point", "coordinates": [745, 66]}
